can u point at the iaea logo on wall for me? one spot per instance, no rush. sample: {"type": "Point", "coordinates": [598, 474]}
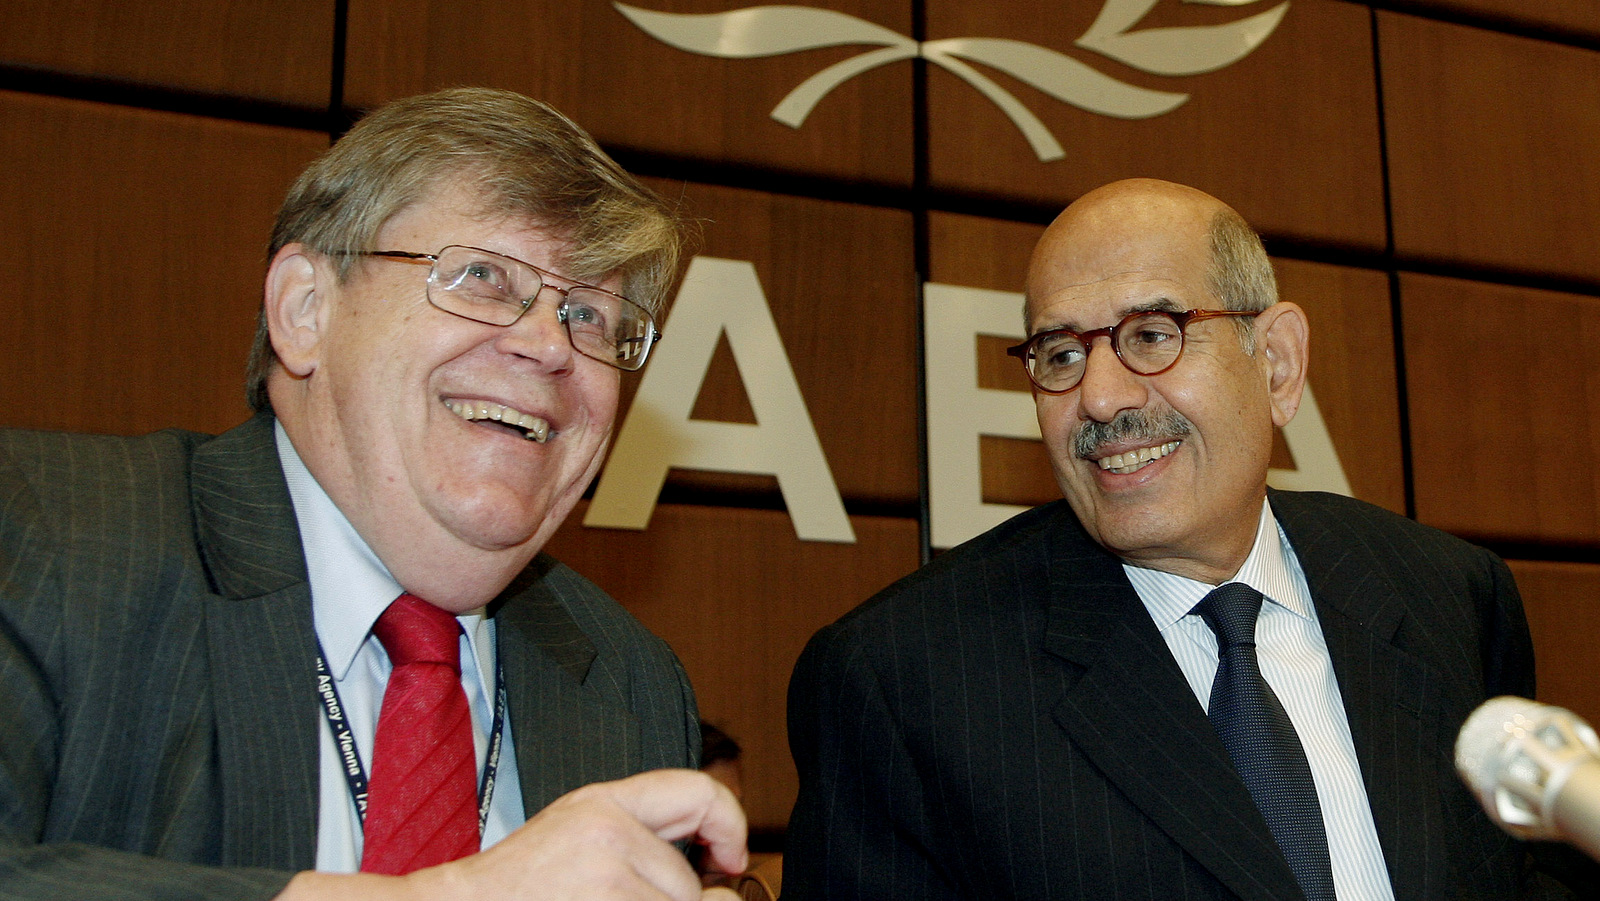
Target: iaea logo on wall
{"type": "Point", "coordinates": [771, 30]}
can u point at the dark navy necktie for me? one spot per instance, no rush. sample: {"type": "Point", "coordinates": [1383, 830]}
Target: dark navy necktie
{"type": "Point", "coordinates": [1262, 742]}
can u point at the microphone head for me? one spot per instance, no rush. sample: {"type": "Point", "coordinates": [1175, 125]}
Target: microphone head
{"type": "Point", "coordinates": [1515, 755]}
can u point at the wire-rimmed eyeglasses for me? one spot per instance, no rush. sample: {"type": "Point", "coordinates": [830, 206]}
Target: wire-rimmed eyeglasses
{"type": "Point", "coordinates": [493, 288]}
{"type": "Point", "coordinates": [1148, 342]}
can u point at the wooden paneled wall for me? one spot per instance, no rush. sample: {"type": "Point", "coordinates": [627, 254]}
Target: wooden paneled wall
{"type": "Point", "coordinates": [1425, 172]}
{"type": "Point", "coordinates": [136, 241]}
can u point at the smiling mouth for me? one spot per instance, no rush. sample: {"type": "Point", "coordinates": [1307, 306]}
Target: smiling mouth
{"type": "Point", "coordinates": [532, 427]}
{"type": "Point", "coordinates": [1135, 460]}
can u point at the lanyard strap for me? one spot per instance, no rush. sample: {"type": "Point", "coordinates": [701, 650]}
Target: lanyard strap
{"type": "Point", "coordinates": [355, 773]}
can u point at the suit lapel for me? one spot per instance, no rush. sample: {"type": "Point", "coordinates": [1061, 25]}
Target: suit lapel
{"type": "Point", "coordinates": [1131, 713]}
{"type": "Point", "coordinates": [566, 734]}
{"type": "Point", "coordinates": [262, 649]}
{"type": "Point", "coordinates": [1391, 697]}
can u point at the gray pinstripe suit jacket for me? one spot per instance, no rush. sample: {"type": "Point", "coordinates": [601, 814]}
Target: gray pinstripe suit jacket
{"type": "Point", "coordinates": [158, 715]}
{"type": "Point", "coordinates": [1008, 723]}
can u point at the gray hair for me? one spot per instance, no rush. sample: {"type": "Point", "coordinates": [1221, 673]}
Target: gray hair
{"type": "Point", "coordinates": [1241, 275]}
{"type": "Point", "coordinates": [526, 159]}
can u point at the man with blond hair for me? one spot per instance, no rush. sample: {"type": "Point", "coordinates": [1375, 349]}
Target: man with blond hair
{"type": "Point", "coordinates": [321, 654]}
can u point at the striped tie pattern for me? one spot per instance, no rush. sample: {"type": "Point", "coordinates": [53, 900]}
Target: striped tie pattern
{"type": "Point", "coordinates": [422, 799]}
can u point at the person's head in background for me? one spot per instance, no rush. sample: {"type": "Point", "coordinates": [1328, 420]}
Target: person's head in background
{"type": "Point", "coordinates": [719, 758]}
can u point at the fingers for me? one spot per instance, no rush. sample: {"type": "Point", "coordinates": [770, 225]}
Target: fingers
{"type": "Point", "coordinates": [587, 845]}
{"type": "Point", "coordinates": [609, 840]}
{"type": "Point", "coordinates": [677, 804]}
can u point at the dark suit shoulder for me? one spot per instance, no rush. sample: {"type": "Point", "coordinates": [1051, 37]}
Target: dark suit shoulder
{"type": "Point", "coordinates": [94, 513]}
{"type": "Point", "coordinates": [97, 493]}
{"type": "Point", "coordinates": [1434, 595]}
{"type": "Point", "coordinates": [1330, 508]}
{"type": "Point", "coordinates": [1328, 531]}
{"type": "Point", "coordinates": [37, 452]}
{"type": "Point", "coordinates": [111, 770]}
{"type": "Point", "coordinates": [981, 607]}
{"type": "Point", "coordinates": [1009, 554]}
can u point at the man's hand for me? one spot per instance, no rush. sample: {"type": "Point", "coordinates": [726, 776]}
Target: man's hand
{"type": "Point", "coordinates": [609, 840]}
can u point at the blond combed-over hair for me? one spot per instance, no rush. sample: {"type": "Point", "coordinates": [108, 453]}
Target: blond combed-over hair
{"type": "Point", "coordinates": [522, 157]}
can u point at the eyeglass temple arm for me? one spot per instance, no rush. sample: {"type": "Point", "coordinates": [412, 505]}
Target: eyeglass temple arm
{"type": "Point", "coordinates": [403, 255]}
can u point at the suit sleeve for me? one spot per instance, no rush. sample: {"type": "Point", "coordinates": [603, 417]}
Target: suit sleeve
{"type": "Point", "coordinates": [1559, 871]}
{"type": "Point", "coordinates": [861, 826]}
{"type": "Point", "coordinates": [32, 704]}
{"type": "Point", "coordinates": [1508, 665]}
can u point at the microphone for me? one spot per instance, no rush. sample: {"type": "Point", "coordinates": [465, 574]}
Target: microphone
{"type": "Point", "coordinates": [1536, 770]}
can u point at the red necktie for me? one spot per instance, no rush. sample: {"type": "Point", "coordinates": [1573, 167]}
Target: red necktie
{"type": "Point", "coordinates": [422, 800]}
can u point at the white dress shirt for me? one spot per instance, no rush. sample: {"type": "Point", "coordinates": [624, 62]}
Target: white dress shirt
{"type": "Point", "coordinates": [1295, 662]}
{"type": "Point", "coordinates": [350, 588]}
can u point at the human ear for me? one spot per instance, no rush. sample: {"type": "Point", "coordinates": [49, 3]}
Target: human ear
{"type": "Point", "coordinates": [294, 304]}
{"type": "Point", "coordinates": [1283, 341]}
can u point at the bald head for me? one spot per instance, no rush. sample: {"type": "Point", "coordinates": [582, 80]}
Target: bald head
{"type": "Point", "coordinates": [1165, 468]}
{"type": "Point", "coordinates": [1127, 224]}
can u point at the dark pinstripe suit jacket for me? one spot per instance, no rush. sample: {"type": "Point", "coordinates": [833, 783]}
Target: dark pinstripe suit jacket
{"type": "Point", "coordinates": [158, 714]}
{"type": "Point", "coordinates": [1008, 723]}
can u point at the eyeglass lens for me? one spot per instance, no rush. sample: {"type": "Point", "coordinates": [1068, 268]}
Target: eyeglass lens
{"type": "Point", "coordinates": [497, 290]}
{"type": "Point", "coordinates": [1147, 343]}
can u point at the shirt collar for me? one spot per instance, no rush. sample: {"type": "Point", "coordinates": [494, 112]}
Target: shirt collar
{"type": "Point", "coordinates": [1170, 597]}
{"type": "Point", "coordinates": [350, 586]}
{"type": "Point", "coordinates": [1267, 569]}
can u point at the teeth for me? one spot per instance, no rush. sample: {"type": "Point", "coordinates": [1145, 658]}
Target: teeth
{"type": "Point", "coordinates": [535, 428]}
{"type": "Point", "coordinates": [1134, 460]}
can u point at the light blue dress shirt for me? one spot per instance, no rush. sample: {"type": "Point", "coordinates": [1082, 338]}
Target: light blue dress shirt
{"type": "Point", "coordinates": [1295, 662]}
{"type": "Point", "coordinates": [350, 587]}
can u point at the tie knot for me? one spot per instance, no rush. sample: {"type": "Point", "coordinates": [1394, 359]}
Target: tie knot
{"type": "Point", "coordinates": [1231, 610]}
{"type": "Point", "coordinates": [414, 631]}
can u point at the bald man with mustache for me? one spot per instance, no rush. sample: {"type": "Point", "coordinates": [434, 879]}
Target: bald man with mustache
{"type": "Point", "coordinates": [1174, 682]}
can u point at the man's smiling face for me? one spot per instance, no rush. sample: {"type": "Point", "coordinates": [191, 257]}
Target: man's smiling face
{"type": "Point", "coordinates": [403, 408]}
{"type": "Point", "coordinates": [1167, 470]}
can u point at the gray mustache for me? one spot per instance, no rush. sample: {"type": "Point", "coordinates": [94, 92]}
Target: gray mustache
{"type": "Point", "coordinates": [1137, 426]}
